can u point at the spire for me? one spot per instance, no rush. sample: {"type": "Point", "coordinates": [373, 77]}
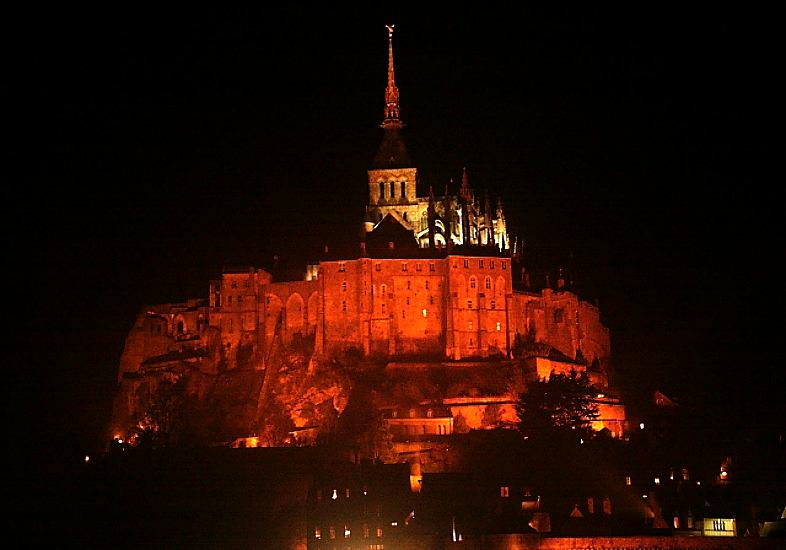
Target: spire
{"type": "Point", "coordinates": [391, 92]}
{"type": "Point", "coordinates": [392, 153]}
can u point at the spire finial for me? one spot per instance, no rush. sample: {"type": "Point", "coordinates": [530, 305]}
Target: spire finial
{"type": "Point", "coordinates": [391, 92]}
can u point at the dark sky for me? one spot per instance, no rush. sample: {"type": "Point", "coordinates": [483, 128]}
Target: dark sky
{"type": "Point", "coordinates": [167, 144]}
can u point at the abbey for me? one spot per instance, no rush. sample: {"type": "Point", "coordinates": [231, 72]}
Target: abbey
{"type": "Point", "coordinates": [436, 279]}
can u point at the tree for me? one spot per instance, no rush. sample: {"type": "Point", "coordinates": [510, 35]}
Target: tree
{"type": "Point", "coordinates": [557, 407]}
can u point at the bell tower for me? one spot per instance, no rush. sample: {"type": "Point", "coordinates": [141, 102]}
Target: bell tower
{"type": "Point", "coordinates": [392, 179]}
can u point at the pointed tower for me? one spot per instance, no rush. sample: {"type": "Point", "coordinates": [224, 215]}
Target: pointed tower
{"type": "Point", "coordinates": [392, 178]}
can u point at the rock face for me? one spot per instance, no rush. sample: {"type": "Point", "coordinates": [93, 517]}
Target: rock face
{"type": "Point", "coordinates": [180, 387]}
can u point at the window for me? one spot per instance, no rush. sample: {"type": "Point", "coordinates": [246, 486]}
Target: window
{"type": "Point", "coordinates": [473, 282]}
{"type": "Point", "coordinates": [431, 300]}
{"type": "Point", "coordinates": [403, 189]}
{"type": "Point", "coordinates": [504, 265]}
{"type": "Point", "coordinates": [343, 286]}
{"type": "Point", "coordinates": [469, 304]}
{"type": "Point", "coordinates": [480, 264]}
{"type": "Point", "coordinates": [230, 325]}
{"type": "Point", "coordinates": [344, 305]}
{"type": "Point", "coordinates": [317, 533]}
{"type": "Point", "coordinates": [499, 326]}
{"type": "Point", "coordinates": [403, 266]}
{"type": "Point", "coordinates": [431, 266]}
{"type": "Point", "coordinates": [240, 299]}
{"type": "Point", "coordinates": [491, 264]}
{"type": "Point", "coordinates": [381, 190]}
{"type": "Point", "coordinates": [429, 413]}
{"type": "Point", "coordinates": [417, 267]}
{"type": "Point", "coordinates": [392, 189]}
{"type": "Point", "coordinates": [332, 533]}
{"type": "Point", "coordinates": [383, 308]}
{"type": "Point", "coordinates": [407, 300]}
{"type": "Point", "coordinates": [470, 325]}
{"type": "Point", "coordinates": [559, 315]}
{"type": "Point", "coordinates": [504, 492]}
{"type": "Point", "coordinates": [382, 290]}
{"type": "Point", "coordinates": [403, 313]}
{"type": "Point", "coordinates": [342, 266]}
{"type": "Point", "coordinates": [229, 299]}
{"type": "Point", "coordinates": [425, 312]}
{"type": "Point", "coordinates": [234, 284]}
{"type": "Point", "coordinates": [409, 285]}
{"type": "Point", "coordinates": [366, 531]}
{"type": "Point", "coordinates": [466, 264]}
{"type": "Point", "coordinates": [267, 300]}
{"type": "Point", "coordinates": [346, 493]}
{"type": "Point", "coordinates": [488, 283]}
{"type": "Point", "coordinates": [347, 532]}
{"type": "Point", "coordinates": [493, 304]}
{"type": "Point", "coordinates": [412, 413]}
{"type": "Point", "coordinates": [379, 531]}
{"type": "Point", "coordinates": [378, 266]}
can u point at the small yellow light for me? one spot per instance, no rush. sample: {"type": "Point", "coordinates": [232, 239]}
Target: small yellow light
{"type": "Point", "coordinates": [87, 458]}
{"type": "Point", "coordinates": [641, 426]}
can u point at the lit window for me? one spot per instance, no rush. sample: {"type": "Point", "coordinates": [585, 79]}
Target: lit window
{"type": "Point", "coordinates": [430, 413]}
{"type": "Point", "coordinates": [499, 326]}
{"type": "Point", "coordinates": [346, 493]}
{"type": "Point", "coordinates": [366, 531]}
{"type": "Point", "coordinates": [504, 492]}
{"type": "Point", "coordinates": [425, 312]}
{"type": "Point", "coordinates": [342, 266]}
{"type": "Point", "coordinates": [379, 531]}
{"type": "Point", "coordinates": [334, 496]}
{"type": "Point", "coordinates": [347, 532]}
{"type": "Point", "coordinates": [470, 325]}
{"type": "Point", "coordinates": [412, 413]}
{"type": "Point", "coordinates": [627, 480]}
{"type": "Point", "coordinates": [317, 533]}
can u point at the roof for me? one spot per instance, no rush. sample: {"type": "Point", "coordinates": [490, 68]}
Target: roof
{"type": "Point", "coordinates": [392, 152]}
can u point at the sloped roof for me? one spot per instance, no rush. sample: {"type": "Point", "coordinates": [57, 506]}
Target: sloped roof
{"type": "Point", "coordinates": [392, 152]}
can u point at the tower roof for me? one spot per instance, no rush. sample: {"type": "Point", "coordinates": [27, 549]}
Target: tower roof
{"type": "Point", "coordinates": [392, 152]}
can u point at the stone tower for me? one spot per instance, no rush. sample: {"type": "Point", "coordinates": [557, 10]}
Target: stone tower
{"type": "Point", "coordinates": [392, 178]}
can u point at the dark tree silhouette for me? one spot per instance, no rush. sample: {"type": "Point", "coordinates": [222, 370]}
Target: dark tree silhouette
{"type": "Point", "coordinates": [560, 406]}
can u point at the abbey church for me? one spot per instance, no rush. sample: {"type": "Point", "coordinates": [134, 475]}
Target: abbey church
{"type": "Point", "coordinates": [436, 281]}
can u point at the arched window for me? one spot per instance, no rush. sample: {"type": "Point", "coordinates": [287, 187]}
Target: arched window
{"type": "Point", "coordinates": [423, 221]}
{"type": "Point", "coordinates": [405, 217]}
{"type": "Point", "coordinates": [472, 282]}
{"type": "Point", "coordinates": [403, 189]}
{"type": "Point", "coordinates": [488, 283]}
{"type": "Point", "coordinates": [392, 189]}
{"type": "Point", "coordinates": [381, 190]}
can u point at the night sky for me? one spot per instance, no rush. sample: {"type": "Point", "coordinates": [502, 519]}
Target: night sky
{"type": "Point", "coordinates": [169, 144]}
